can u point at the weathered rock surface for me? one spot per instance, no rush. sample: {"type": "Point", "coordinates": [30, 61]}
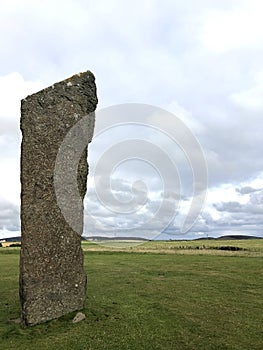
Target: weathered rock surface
{"type": "Point", "coordinates": [52, 277]}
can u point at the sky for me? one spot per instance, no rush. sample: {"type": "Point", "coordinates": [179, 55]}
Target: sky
{"type": "Point", "coordinates": [193, 64]}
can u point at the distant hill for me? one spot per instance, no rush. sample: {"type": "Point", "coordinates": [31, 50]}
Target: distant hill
{"type": "Point", "coordinates": [12, 239]}
{"type": "Point", "coordinates": [229, 237]}
{"type": "Point", "coordinates": [101, 238]}
{"type": "Point", "coordinates": [205, 238]}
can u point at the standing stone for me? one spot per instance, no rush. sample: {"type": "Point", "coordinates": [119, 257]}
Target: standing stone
{"type": "Point", "coordinates": [52, 276]}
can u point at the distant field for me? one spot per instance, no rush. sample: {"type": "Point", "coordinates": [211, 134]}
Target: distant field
{"type": "Point", "coordinates": [249, 247]}
{"type": "Point", "coordinates": [143, 300]}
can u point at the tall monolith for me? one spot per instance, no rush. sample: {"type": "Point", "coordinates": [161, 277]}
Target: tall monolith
{"type": "Point", "coordinates": [52, 276]}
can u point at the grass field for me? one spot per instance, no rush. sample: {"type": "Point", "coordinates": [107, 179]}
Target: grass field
{"type": "Point", "coordinates": [145, 298]}
{"type": "Point", "coordinates": [249, 247]}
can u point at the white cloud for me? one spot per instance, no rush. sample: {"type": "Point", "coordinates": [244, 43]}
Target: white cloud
{"type": "Point", "coordinates": [251, 98]}
{"type": "Point", "coordinates": [196, 126]}
{"type": "Point", "coordinates": [232, 29]}
{"type": "Point", "coordinates": [13, 88]}
{"type": "Point", "coordinates": [9, 218]}
{"type": "Point", "coordinates": [239, 210]}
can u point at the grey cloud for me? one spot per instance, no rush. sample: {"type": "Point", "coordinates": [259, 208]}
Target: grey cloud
{"type": "Point", "coordinates": [99, 217]}
{"type": "Point", "coordinates": [246, 190]}
{"type": "Point", "coordinates": [256, 198]}
{"type": "Point", "coordinates": [229, 207]}
{"type": "Point", "coordinates": [236, 207]}
{"type": "Point", "coordinates": [9, 216]}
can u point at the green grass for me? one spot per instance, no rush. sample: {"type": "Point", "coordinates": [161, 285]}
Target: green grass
{"type": "Point", "coordinates": [250, 247]}
{"type": "Point", "coordinates": [148, 301]}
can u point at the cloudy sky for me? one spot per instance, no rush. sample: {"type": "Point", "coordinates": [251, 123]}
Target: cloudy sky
{"type": "Point", "coordinates": [199, 61]}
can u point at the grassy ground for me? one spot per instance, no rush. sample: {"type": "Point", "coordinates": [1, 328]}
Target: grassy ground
{"type": "Point", "coordinates": [251, 247]}
{"type": "Point", "coordinates": [149, 301]}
